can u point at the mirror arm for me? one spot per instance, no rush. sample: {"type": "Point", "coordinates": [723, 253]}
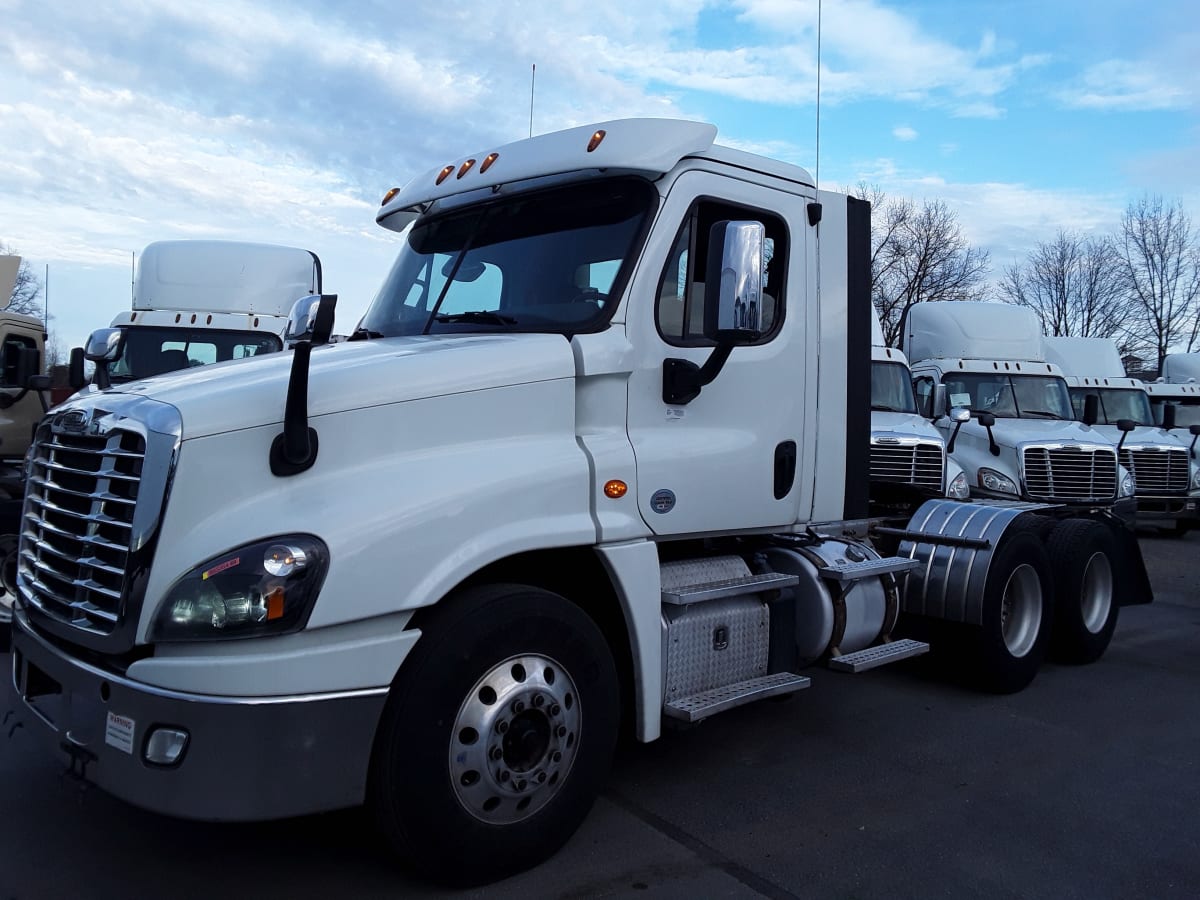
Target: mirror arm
{"type": "Point", "coordinates": [953, 436]}
{"type": "Point", "coordinates": [992, 445]}
{"type": "Point", "coordinates": [683, 379]}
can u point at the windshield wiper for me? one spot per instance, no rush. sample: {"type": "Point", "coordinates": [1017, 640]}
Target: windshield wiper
{"type": "Point", "coordinates": [362, 334]}
{"type": "Point", "coordinates": [1040, 414]}
{"type": "Point", "coordinates": [880, 407]}
{"type": "Point", "coordinates": [479, 316]}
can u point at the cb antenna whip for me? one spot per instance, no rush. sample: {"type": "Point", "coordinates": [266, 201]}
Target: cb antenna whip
{"type": "Point", "coordinates": [532, 81]}
{"type": "Point", "coordinates": [817, 174]}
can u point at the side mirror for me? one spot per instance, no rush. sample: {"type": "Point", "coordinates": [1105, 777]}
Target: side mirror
{"type": "Point", "coordinates": [733, 282]}
{"type": "Point", "coordinates": [937, 403]}
{"type": "Point", "coordinates": [104, 346]}
{"type": "Point", "coordinates": [1168, 416]}
{"type": "Point", "coordinates": [1091, 410]}
{"type": "Point", "coordinates": [986, 419]}
{"type": "Point", "coordinates": [28, 363]}
{"type": "Point", "coordinates": [310, 320]}
{"type": "Point", "coordinates": [1194, 430]}
{"type": "Point", "coordinates": [1126, 425]}
{"type": "Point", "coordinates": [961, 414]}
{"type": "Point", "coordinates": [75, 370]}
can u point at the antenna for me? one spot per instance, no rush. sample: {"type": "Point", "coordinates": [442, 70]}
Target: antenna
{"type": "Point", "coordinates": [132, 273]}
{"type": "Point", "coordinates": [46, 305]}
{"type": "Point", "coordinates": [817, 174]}
{"type": "Point", "coordinates": [532, 81]}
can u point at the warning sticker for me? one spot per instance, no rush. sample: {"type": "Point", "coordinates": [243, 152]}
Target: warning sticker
{"type": "Point", "coordinates": [119, 732]}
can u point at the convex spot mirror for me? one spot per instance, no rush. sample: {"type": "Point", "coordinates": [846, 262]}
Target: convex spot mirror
{"type": "Point", "coordinates": [733, 305]}
{"type": "Point", "coordinates": [960, 414]}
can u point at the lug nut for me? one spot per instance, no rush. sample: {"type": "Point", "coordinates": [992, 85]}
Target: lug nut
{"type": "Point", "coordinates": [502, 726]}
{"type": "Point", "coordinates": [503, 776]}
{"type": "Point", "coordinates": [519, 706]}
{"type": "Point", "coordinates": [539, 700]}
{"type": "Point", "coordinates": [520, 785]}
{"type": "Point", "coordinates": [562, 731]}
{"type": "Point", "coordinates": [541, 777]}
{"type": "Point", "coordinates": [497, 753]}
{"type": "Point", "coordinates": [554, 709]}
{"type": "Point", "coordinates": [556, 756]}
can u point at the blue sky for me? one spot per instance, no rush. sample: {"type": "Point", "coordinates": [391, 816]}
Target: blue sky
{"type": "Point", "coordinates": [131, 121]}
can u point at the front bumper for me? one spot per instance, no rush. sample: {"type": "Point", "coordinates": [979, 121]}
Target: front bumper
{"type": "Point", "coordinates": [1169, 511]}
{"type": "Point", "coordinates": [246, 759]}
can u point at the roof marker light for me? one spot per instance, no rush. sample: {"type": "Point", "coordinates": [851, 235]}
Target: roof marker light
{"type": "Point", "coordinates": [444, 174]}
{"type": "Point", "coordinates": [487, 162]}
{"type": "Point", "coordinates": [596, 139]}
{"type": "Point", "coordinates": [388, 196]}
{"type": "Point", "coordinates": [465, 168]}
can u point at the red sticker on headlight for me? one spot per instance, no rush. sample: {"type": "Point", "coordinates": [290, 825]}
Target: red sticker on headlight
{"type": "Point", "coordinates": [220, 567]}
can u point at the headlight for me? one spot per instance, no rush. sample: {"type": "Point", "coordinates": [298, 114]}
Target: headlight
{"type": "Point", "coordinates": [1196, 480]}
{"type": "Point", "coordinates": [959, 488]}
{"type": "Point", "coordinates": [268, 587]}
{"type": "Point", "coordinates": [994, 481]}
{"type": "Point", "coordinates": [1128, 487]}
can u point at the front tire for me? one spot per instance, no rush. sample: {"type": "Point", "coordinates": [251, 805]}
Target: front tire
{"type": "Point", "coordinates": [1085, 565]}
{"type": "Point", "coordinates": [497, 736]}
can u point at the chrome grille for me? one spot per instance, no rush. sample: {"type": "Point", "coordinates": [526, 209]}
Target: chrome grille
{"type": "Point", "coordinates": [916, 464]}
{"type": "Point", "coordinates": [1071, 473]}
{"type": "Point", "coordinates": [1157, 470]}
{"type": "Point", "coordinates": [78, 525]}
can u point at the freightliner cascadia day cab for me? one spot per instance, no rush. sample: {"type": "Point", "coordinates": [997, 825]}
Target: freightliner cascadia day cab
{"type": "Point", "coordinates": [908, 454]}
{"type": "Point", "coordinates": [1167, 481]}
{"type": "Point", "coordinates": [201, 302]}
{"type": "Point", "coordinates": [22, 404]}
{"type": "Point", "coordinates": [1021, 440]}
{"type": "Point", "coordinates": [1179, 387]}
{"type": "Point", "coordinates": [597, 454]}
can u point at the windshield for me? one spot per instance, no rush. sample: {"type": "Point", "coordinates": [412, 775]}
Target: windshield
{"type": "Point", "coordinates": [1115, 404]}
{"type": "Point", "coordinates": [544, 261]}
{"type": "Point", "coordinates": [1010, 396]}
{"type": "Point", "coordinates": [152, 351]}
{"type": "Point", "coordinates": [1187, 412]}
{"type": "Point", "coordinates": [891, 388]}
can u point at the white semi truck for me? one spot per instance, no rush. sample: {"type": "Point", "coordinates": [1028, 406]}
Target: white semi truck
{"type": "Point", "coordinates": [1167, 480]}
{"type": "Point", "coordinates": [1179, 387]}
{"type": "Point", "coordinates": [596, 455]}
{"type": "Point", "coordinates": [199, 302]}
{"type": "Point", "coordinates": [908, 454]}
{"type": "Point", "coordinates": [1021, 440]}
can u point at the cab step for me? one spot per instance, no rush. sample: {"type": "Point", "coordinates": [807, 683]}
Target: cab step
{"type": "Point", "coordinates": [873, 657]}
{"type": "Point", "coordinates": [867, 568]}
{"type": "Point", "coordinates": [729, 587]}
{"type": "Point", "coordinates": [709, 703]}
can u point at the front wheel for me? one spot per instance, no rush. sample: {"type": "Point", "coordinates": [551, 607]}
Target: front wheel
{"type": "Point", "coordinates": [497, 736]}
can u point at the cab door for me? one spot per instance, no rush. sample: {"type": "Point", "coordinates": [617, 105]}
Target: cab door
{"type": "Point", "coordinates": [730, 459]}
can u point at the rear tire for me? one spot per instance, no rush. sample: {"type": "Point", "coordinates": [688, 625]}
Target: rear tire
{"type": "Point", "coordinates": [497, 736]}
{"type": "Point", "coordinates": [1018, 605]}
{"type": "Point", "coordinates": [1086, 589]}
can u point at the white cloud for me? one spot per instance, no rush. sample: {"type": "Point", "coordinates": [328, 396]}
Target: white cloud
{"type": "Point", "coordinates": [904, 133]}
{"type": "Point", "coordinates": [1121, 85]}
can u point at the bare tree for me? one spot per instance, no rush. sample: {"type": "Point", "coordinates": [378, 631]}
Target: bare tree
{"type": "Point", "coordinates": [918, 253]}
{"type": "Point", "coordinates": [27, 289]}
{"type": "Point", "coordinates": [1076, 285]}
{"type": "Point", "coordinates": [1161, 264]}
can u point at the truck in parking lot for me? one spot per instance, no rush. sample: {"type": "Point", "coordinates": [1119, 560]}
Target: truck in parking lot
{"type": "Point", "coordinates": [197, 302]}
{"type": "Point", "coordinates": [596, 456]}
{"type": "Point", "coordinates": [1167, 480]}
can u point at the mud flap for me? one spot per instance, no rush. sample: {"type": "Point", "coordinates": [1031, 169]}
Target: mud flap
{"type": "Point", "coordinates": [1137, 589]}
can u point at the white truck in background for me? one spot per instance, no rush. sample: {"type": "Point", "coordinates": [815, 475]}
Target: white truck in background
{"type": "Point", "coordinates": [596, 454]}
{"type": "Point", "coordinates": [1021, 440]}
{"type": "Point", "coordinates": [908, 454]}
{"type": "Point", "coordinates": [1167, 480]}
{"type": "Point", "coordinates": [1178, 387]}
{"type": "Point", "coordinates": [197, 302]}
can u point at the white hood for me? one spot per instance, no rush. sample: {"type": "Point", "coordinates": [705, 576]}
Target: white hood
{"type": "Point", "coordinates": [354, 375]}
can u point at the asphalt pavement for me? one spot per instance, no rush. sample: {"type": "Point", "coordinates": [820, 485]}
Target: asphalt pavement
{"type": "Point", "coordinates": [887, 784]}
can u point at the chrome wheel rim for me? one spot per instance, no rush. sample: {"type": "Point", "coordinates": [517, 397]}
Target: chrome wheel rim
{"type": "Point", "coordinates": [1096, 595]}
{"type": "Point", "coordinates": [1021, 610]}
{"type": "Point", "coordinates": [514, 739]}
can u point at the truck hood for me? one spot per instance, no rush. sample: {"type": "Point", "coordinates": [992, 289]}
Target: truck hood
{"type": "Point", "coordinates": [903, 425]}
{"type": "Point", "coordinates": [1142, 436]}
{"type": "Point", "coordinates": [1014, 432]}
{"type": "Point", "coordinates": [354, 375]}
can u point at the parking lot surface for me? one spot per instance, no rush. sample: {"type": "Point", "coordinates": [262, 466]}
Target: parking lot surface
{"type": "Point", "coordinates": [887, 784]}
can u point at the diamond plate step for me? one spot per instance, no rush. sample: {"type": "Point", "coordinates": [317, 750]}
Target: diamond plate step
{"type": "Point", "coordinates": [732, 587]}
{"type": "Point", "coordinates": [709, 703]}
{"type": "Point", "coordinates": [873, 657]}
{"type": "Point", "coordinates": [868, 568]}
